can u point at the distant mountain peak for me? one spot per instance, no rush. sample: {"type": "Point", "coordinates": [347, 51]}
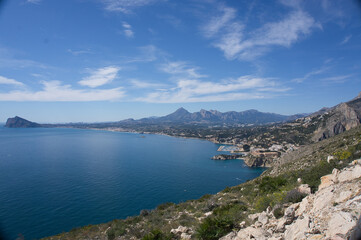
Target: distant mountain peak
{"type": "Point", "coordinates": [18, 122]}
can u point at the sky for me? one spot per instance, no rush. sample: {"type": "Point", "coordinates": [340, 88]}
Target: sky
{"type": "Point", "coordinates": [108, 60]}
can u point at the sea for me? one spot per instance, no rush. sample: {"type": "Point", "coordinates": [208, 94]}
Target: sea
{"type": "Point", "coordinates": [55, 179]}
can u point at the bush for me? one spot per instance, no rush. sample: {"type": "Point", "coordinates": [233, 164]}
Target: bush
{"type": "Point", "coordinates": [278, 212]}
{"type": "Point", "coordinates": [165, 205]}
{"type": "Point", "coordinates": [213, 228]}
{"type": "Point", "coordinates": [262, 203]}
{"type": "Point", "coordinates": [294, 196]}
{"type": "Point", "coordinates": [156, 234]}
{"type": "Point", "coordinates": [271, 184]}
{"type": "Point", "coordinates": [115, 231]}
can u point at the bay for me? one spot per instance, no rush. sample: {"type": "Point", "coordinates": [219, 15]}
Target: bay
{"type": "Point", "coordinates": [53, 180]}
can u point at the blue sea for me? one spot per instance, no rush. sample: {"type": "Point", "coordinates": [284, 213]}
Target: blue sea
{"type": "Point", "coordinates": [53, 180]}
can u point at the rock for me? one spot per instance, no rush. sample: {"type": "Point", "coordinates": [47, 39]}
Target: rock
{"type": "Point", "coordinates": [340, 223]}
{"type": "Point", "coordinates": [263, 218]}
{"type": "Point", "coordinates": [297, 230]}
{"type": "Point", "coordinates": [349, 174]}
{"type": "Point", "coordinates": [229, 236]}
{"type": "Point", "coordinates": [281, 226]}
{"type": "Point", "coordinates": [252, 233]}
{"type": "Point", "coordinates": [329, 158]}
{"type": "Point", "coordinates": [183, 232]}
{"type": "Point", "coordinates": [299, 180]}
{"type": "Point", "coordinates": [254, 216]}
{"type": "Point", "coordinates": [330, 179]}
{"type": "Point", "coordinates": [289, 214]}
{"type": "Point", "coordinates": [305, 189]}
{"type": "Point", "coordinates": [242, 224]}
{"type": "Point", "coordinates": [185, 236]}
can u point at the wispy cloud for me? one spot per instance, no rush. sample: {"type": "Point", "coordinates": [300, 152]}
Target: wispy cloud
{"type": "Point", "coordinates": [229, 35]}
{"type": "Point", "coordinates": [180, 69]}
{"type": "Point", "coordinates": [100, 77]}
{"type": "Point", "coordinates": [127, 30]}
{"type": "Point", "coordinates": [10, 81]}
{"type": "Point", "coordinates": [125, 6]}
{"type": "Point", "coordinates": [346, 39]}
{"type": "Point", "coordinates": [54, 91]}
{"type": "Point", "coordinates": [337, 79]}
{"type": "Point", "coordinates": [34, 1]}
{"type": "Point", "coordinates": [79, 52]}
{"type": "Point", "coordinates": [246, 87]}
{"type": "Point", "coordinates": [311, 74]}
{"type": "Point", "coordinates": [142, 84]}
{"type": "Point", "coordinates": [9, 59]}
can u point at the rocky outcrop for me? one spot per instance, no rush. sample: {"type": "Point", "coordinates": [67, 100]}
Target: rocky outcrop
{"type": "Point", "coordinates": [330, 213]}
{"type": "Point", "coordinates": [339, 119]}
{"type": "Point", "coordinates": [18, 122]}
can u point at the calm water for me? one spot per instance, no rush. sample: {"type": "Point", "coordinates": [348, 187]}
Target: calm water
{"type": "Point", "coordinates": [52, 180]}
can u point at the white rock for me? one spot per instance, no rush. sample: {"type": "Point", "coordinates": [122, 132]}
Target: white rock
{"type": "Point", "coordinates": [298, 229]}
{"type": "Point", "coordinates": [340, 222]}
{"type": "Point", "coordinates": [252, 233]}
{"type": "Point", "coordinates": [304, 188]}
{"type": "Point", "coordinates": [329, 158]}
{"type": "Point", "coordinates": [350, 174]}
{"type": "Point", "coordinates": [263, 218]}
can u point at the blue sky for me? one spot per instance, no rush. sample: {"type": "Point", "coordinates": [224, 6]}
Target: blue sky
{"type": "Point", "coordinates": [107, 60]}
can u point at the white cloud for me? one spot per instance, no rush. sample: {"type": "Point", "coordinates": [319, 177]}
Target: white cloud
{"type": "Point", "coordinates": [100, 77]}
{"type": "Point", "coordinates": [9, 81]}
{"type": "Point", "coordinates": [219, 22]}
{"type": "Point", "coordinates": [34, 1]}
{"type": "Point", "coordinates": [310, 74]}
{"type": "Point", "coordinates": [142, 84]}
{"type": "Point", "coordinates": [54, 91]}
{"type": "Point", "coordinates": [125, 6]}
{"type": "Point", "coordinates": [346, 39]}
{"type": "Point", "coordinates": [127, 30]}
{"type": "Point", "coordinates": [229, 35]}
{"type": "Point", "coordinates": [181, 68]}
{"type": "Point", "coordinates": [246, 87]}
{"type": "Point", "coordinates": [337, 79]}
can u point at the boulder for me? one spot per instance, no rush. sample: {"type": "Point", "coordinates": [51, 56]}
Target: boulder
{"type": "Point", "coordinates": [298, 230]}
{"type": "Point", "coordinates": [305, 189]}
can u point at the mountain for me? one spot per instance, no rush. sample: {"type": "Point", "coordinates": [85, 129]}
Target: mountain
{"type": "Point", "coordinates": [252, 116]}
{"type": "Point", "coordinates": [18, 122]}
{"type": "Point", "coordinates": [338, 119]}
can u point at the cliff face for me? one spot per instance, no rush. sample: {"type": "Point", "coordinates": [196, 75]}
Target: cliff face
{"type": "Point", "coordinates": [339, 119]}
{"type": "Point", "coordinates": [18, 122]}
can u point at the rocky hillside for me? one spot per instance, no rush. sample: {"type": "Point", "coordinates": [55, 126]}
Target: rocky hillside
{"type": "Point", "coordinates": [338, 119]}
{"type": "Point", "coordinates": [330, 213]}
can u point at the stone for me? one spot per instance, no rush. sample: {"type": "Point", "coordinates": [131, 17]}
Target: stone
{"type": "Point", "coordinates": [299, 180]}
{"type": "Point", "coordinates": [297, 230]}
{"type": "Point", "coordinates": [350, 174]}
{"type": "Point", "coordinates": [281, 226]}
{"type": "Point", "coordinates": [340, 223]}
{"type": "Point", "coordinates": [329, 158]}
{"type": "Point", "coordinates": [263, 218]}
{"type": "Point", "coordinates": [185, 236]}
{"type": "Point", "coordinates": [252, 233]}
{"type": "Point", "coordinates": [242, 224]}
{"type": "Point", "coordinates": [229, 236]}
{"type": "Point", "coordinates": [289, 214]}
{"type": "Point", "coordinates": [305, 189]}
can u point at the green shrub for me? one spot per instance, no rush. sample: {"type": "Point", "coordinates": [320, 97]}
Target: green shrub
{"type": "Point", "coordinates": [271, 184]}
{"type": "Point", "coordinates": [115, 231]}
{"type": "Point", "coordinates": [278, 212]}
{"type": "Point", "coordinates": [157, 234]}
{"type": "Point", "coordinates": [262, 203]}
{"type": "Point", "coordinates": [294, 196]}
{"type": "Point", "coordinates": [165, 205]}
{"type": "Point", "coordinates": [213, 228]}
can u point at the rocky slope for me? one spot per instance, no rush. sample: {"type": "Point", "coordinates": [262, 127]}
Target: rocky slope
{"type": "Point", "coordinates": [330, 213]}
{"type": "Point", "coordinates": [339, 119]}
